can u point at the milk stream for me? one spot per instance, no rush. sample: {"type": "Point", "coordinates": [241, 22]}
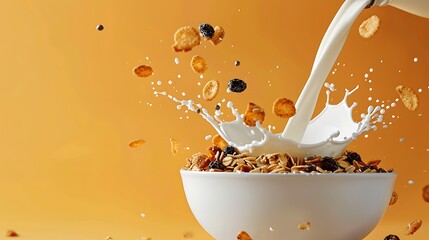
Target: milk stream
{"type": "Point", "coordinates": [329, 133]}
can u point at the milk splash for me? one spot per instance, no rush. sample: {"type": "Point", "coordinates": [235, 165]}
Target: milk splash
{"type": "Point", "coordinates": [328, 134]}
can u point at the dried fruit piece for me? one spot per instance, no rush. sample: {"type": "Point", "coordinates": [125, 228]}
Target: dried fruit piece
{"type": "Point", "coordinates": [11, 233]}
{"type": "Point", "coordinates": [217, 140]}
{"type": "Point", "coordinates": [230, 150]}
{"type": "Point", "coordinates": [284, 108]}
{"type": "Point", "coordinates": [217, 165]}
{"type": "Point", "coordinates": [198, 64]}
{"type": "Point", "coordinates": [304, 226]}
{"type": "Point", "coordinates": [329, 164]}
{"type": "Point", "coordinates": [353, 156]}
{"type": "Point", "coordinates": [369, 27]}
{"type": "Point", "coordinates": [210, 90]}
{"type": "Point", "coordinates": [426, 193]}
{"type": "Point", "coordinates": [413, 227]}
{"type": "Point", "coordinates": [213, 151]}
{"type": "Point", "coordinates": [218, 36]}
{"type": "Point", "coordinates": [237, 85]}
{"type": "Point", "coordinates": [100, 27]}
{"type": "Point", "coordinates": [253, 113]}
{"type": "Point", "coordinates": [393, 198]}
{"type": "Point", "coordinates": [206, 30]}
{"type": "Point", "coordinates": [408, 97]}
{"type": "Point", "coordinates": [174, 146]}
{"type": "Point", "coordinates": [243, 236]}
{"type": "Point", "coordinates": [136, 143]}
{"type": "Point", "coordinates": [185, 38]}
{"type": "Point", "coordinates": [237, 63]}
{"type": "Point", "coordinates": [143, 71]}
{"type": "Point", "coordinates": [391, 237]}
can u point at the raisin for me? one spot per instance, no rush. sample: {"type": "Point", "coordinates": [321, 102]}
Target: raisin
{"type": "Point", "coordinates": [311, 168]}
{"type": "Point", "coordinates": [237, 63]}
{"type": "Point", "coordinates": [329, 164]}
{"type": "Point", "coordinates": [365, 168]}
{"type": "Point", "coordinates": [217, 107]}
{"type": "Point", "coordinates": [391, 237]}
{"type": "Point", "coordinates": [216, 164]}
{"type": "Point", "coordinates": [206, 30]}
{"type": "Point", "coordinates": [212, 152]}
{"type": "Point", "coordinates": [230, 150]}
{"type": "Point", "coordinates": [237, 85]}
{"type": "Point", "coordinates": [100, 27]}
{"type": "Point", "coordinates": [353, 156]}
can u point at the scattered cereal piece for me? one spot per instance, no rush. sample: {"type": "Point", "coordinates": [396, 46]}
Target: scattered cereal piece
{"type": "Point", "coordinates": [206, 30]}
{"type": "Point", "coordinates": [11, 233]}
{"type": "Point", "coordinates": [304, 226]}
{"type": "Point", "coordinates": [408, 97]}
{"type": "Point", "coordinates": [243, 236]}
{"type": "Point", "coordinates": [284, 108]}
{"type": "Point", "coordinates": [143, 71]}
{"type": "Point", "coordinates": [136, 143]}
{"type": "Point", "coordinates": [237, 85]}
{"type": "Point", "coordinates": [185, 38]}
{"type": "Point", "coordinates": [218, 141]}
{"type": "Point", "coordinates": [198, 64]}
{"type": "Point", "coordinates": [413, 227]}
{"type": "Point", "coordinates": [188, 235]}
{"type": "Point", "coordinates": [100, 27]}
{"type": "Point", "coordinates": [174, 146]}
{"type": "Point", "coordinates": [253, 113]}
{"type": "Point", "coordinates": [426, 193]}
{"type": "Point", "coordinates": [393, 198]}
{"type": "Point", "coordinates": [210, 90]}
{"type": "Point", "coordinates": [369, 27]}
{"type": "Point", "coordinates": [391, 237]}
{"type": "Point", "coordinates": [218, 36]}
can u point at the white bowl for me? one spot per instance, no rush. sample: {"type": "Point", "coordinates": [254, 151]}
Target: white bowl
{"type": "Point", "coordinates": [338, 206]}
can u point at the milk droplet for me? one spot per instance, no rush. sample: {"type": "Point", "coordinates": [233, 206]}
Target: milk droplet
{"type": "Point", "coordinates": [147, 58]}
{"type": "Point", "coordinates": [381, 61]}
{"type": "Point", "coordinates": [179, 76]}
{"type": "Point", "coordinates": [393, 104]}
{"type": "Point", "coordinates": [371, 70]}
{"type": "Point", "coordinates": [176, 60]}
{"type": "Point", "coordinates": [142, 215]}
{"type": "Point", "coordinates": [351, 75]}
{"type": "Point", "coordinates": [396, 99]}
{"type": "Point", "coordinates": [170, 82]}
{"type": "Point", "coordinates": [159, 83]}
{"type": "Point", "coordinates": [366, 75]}
{"type": "Point", "coordinates": [369, 98]}
{"type": "Point", "coordinates": [370, 89]}
{"type": "Point", "coordinates": [411, 182]}
{"type": "Point", "coordinates": [415, 59]}
{"type": "Point", "coordinates": [199, 83]}
{"type": "Point", "coordinates": [201, 76]}
{"type": "Point", "coordinates": [277, 66]}
{"type": "Point", "coordinates": [402, 139]}
{"type": "Point", "coordinates": [366, 136]}
{"type": "Point", "coordinates": [370, 81]}
{"type": "Point", "coordinates": [420, 90]}
{"type": "Point", "coordinates": [183, 94]}
{"type": "Point", "coordinates": [271, 229]}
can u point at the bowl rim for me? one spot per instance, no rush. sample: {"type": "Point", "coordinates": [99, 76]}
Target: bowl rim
{"type": "Point", "coordinates": [189, 172]}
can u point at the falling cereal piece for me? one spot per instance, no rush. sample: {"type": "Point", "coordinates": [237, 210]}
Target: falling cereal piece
{"type": "Point", "coordinates": [284, 108]}
{"type": "Point", "coordinates": [393, 198]}
{"type": "Point", "coordinates": [188, 235]}
{"type": "Point", "coordinates": [413, 227]}
{"type": "Point", "coordinates": [198, 64]}
{"type": "Point", "coordinates": [304, 226]}
{"type": "Point", "coordinates": [369, 27]}
{"type": "Point", "coordinates": [218, 36]}
{"type": "Point", "coordinates": [185, 38]}
{"type": "Point", "coordinates": [174, 146]}
{"type": "Point", "coordinates": [210, 90]}
{"type": "Point", "coordinates": [11, 233]}
{"type": "Point", "coordinates": [218, 141]}
{"type": "Point", "coordinates": [253, 113]}
{"type": "Point", "coordinates": [408, 97]}
{"type": "Point", "coordinates": [426, 193]}
{"type": "Point", "coordinates": [391, 237]}
{"type": "Point", "coordinates": [143, 71]}
{"type": "Point", "coordinates": [136, 143]}
{"type": "Point", "coordinates": [243, 236]}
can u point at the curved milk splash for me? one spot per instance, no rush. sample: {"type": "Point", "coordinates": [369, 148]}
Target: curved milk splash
{"type": "Point", "coordinates": [328, 134]}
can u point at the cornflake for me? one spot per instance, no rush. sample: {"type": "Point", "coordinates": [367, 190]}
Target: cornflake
{"type": "Point", "coordinates": [143, 71]}
{"type": "Point", "coordinates": [413, 227]}
{"type": "Point", "coordinates": [11, 233]}
{"type": "Point", "coordinates": [304, 226]}
{"type": "Point", "coordinates": [218, 36]}
{"type": "Point", "coordinates": [218, 141]}
{"type": "Point", "coordinates": [394, 198]}
{"type": "Point", "coordinates": [210, 90]}
{"type": "Point", "coordinates": [198, 64]}
{"type": "Point", "coordinates": [185, 38]}
{"type": "Point", "coordinates": [136, 143]}
{"type": "Point", "coordinates": [426, 193]}
{"type": "Point", "coordinates": [243, 236]}
{"type": "Point", "coordinates": [369, 27]}
{"type": "Point", "coordinates": [408, 97]}
{"type": "Point", "coordinates": [253, 113]}
{"type": "Point", "coordinates": [174, 145]}
{"type": "Point", "coordinates": [284, 108]}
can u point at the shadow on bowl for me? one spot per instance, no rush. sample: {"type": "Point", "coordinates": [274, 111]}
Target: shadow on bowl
{"type": "Point", "coordinates": [337, 206]}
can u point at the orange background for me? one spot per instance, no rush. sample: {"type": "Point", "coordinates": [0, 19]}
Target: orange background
{"type": "Point", "coordinates": [70, 105]}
